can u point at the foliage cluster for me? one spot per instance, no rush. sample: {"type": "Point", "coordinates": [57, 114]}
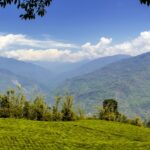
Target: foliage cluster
{"type": "Point", "coordinates": [15, 105]}
{"type": "Point", "coordinates": [110, 112]}
{"type": "Point", "coordinates": [31, 8]}
{"type": "Point", "coordinates": [147, 2]}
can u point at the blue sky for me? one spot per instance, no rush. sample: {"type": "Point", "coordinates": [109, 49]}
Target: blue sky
{"type": "Point", "coordinates": [80, 21]}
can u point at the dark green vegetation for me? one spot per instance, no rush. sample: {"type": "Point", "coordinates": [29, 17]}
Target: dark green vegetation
{"type": "Point", "coordinates": [110, 112]}
{"type": "Point", "coordinates": [147, 2]}
{"type": "Point", "coordinates": [55, 134]}
{"type": "Point", "coordinates": [31, 8]}
{"type": "Point", "coordinates": [127, 80]}
{"type": "Point", "coordinates": [79, 135]}
{"type": "Point", "coordinates": [15, 105]}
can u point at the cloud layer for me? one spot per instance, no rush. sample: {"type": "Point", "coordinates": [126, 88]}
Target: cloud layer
{"type": "Point", "coordinates": [24, 48]}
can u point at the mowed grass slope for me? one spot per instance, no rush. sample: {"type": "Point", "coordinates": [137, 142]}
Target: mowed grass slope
{"type": "Point", "coordinates": [80, 135]}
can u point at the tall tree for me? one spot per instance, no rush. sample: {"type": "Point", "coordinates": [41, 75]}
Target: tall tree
{"type": "Point", "coordinates": [110, 106]}
{"type": "Point", "coordinates": [56, 114]}
{"type": "Point", "coordinates": [67, 112]}
{"type": "Point", "coordinates": [26, 110]}
{"type": "Point", "coordinates": [109, 110]}
{"type": "Point", "coordinates": [39, 108]}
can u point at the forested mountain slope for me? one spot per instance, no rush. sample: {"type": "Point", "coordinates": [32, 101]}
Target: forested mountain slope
{"type": "Point", "coordinates": [127, 80]}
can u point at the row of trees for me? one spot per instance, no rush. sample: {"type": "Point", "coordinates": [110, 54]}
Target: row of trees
{"type": "Point", "coordinates": [15, 105]}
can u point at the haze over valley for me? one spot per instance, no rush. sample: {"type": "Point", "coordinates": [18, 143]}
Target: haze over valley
{"type": "Point", "coordinates": [122, 77]}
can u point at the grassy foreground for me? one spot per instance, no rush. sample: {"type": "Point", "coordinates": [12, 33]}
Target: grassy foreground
{"type": "Point", "coordinates": [80, 135]}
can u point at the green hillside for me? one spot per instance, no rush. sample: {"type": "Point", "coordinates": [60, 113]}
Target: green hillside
{"type": "Point", "coordinates": [128, 81]}
{"type": "Point", "coordinates": [80, 135]}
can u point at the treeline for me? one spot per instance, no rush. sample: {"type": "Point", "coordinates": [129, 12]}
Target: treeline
{"type": "Point", "coordinates": [16, 105]}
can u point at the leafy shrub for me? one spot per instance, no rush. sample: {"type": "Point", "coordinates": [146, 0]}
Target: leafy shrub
{"type": "Point", "coordinates": [67, 112]}
{"type": "Point", "coordinates": [137, 121]}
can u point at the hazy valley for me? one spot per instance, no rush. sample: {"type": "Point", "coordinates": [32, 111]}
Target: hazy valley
{"type": "Point", "coordinates": [121, 77]}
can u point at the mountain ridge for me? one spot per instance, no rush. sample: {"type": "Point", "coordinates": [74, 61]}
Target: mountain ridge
{"type": "Point", "coordinates": [127, 80]}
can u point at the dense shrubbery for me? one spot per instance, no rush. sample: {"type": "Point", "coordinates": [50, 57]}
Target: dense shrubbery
{"type": "Point", "coordinates": [15, 105]}
{"type": "Point", "coordinates": [110, 112]}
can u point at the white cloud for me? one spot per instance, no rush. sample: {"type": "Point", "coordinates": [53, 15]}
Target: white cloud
{"type": "Point", "coordinates": [34, 55]}
{"type": "Point", "coordinates": [105, 47]}
{"type": "Point", "coordinates": [24, 48]}
{"type": "Point", "coordinates": [10, 41]}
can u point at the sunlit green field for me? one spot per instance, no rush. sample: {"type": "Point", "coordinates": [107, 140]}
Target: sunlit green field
{"type": "Point", "coordinates": [79, 135]}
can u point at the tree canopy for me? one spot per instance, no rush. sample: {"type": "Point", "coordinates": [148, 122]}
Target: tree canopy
{"type": "Point", "coordinates": [147, 2]}
{"type": "Point", "coordinates": [33, 8]}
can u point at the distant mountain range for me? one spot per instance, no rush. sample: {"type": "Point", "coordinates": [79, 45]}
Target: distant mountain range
{"type": "Point", "coordinates": [122, 77]}
{"type": "Point", "coordinates": [65, 70]}
{"type": "Point", "coordinates": [126, 80]}
{"type": "Point", "coordinates": [95, 64]}
{"type": "Point", "coordinates": [45, 76]}
{"type": "Point", "coordinates": [14, 72]}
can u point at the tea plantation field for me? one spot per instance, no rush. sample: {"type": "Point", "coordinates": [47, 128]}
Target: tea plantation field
{"type": "Point", "coordinates": [80, 135]}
